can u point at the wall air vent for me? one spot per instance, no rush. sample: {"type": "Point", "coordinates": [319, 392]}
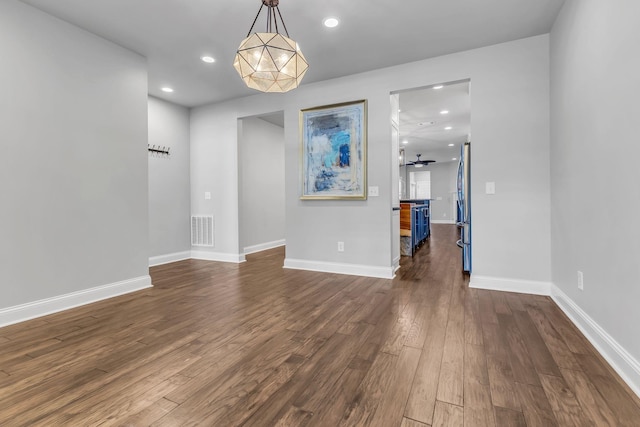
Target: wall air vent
{"type": "Point", "coordinates": [201, 231]}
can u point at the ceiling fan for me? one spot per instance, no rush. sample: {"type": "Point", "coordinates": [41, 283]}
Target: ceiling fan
{"type": "Point", "coordinates": [419, 163]}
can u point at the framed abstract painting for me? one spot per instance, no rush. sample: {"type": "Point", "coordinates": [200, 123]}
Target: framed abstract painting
{"type": "Point", "coordinates": [334, 151]}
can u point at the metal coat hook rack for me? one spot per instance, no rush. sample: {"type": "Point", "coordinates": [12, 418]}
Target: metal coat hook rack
{"type": "Point", "coordinates": [159, 150]}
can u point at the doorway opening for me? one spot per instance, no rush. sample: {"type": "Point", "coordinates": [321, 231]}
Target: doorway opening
{"type": "Point", "coordinates": [431, 127]}
{"type": "Point", "coordinates": [261, 198]}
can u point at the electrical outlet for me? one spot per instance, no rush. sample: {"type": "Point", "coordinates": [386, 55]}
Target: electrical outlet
{"type": "Point", "coordinates": [340, 246]}
{"type": "Point", "coordinates": [580, 281]}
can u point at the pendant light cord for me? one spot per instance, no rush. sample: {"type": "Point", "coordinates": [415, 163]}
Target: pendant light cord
{"type": "Point", "coordinates": [254, 21]}
{"type": "Point", "coordinates": [270, 16]}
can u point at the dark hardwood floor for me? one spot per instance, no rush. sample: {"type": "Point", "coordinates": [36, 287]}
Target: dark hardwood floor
{"type": "Point", "coordinates": [216, 344]}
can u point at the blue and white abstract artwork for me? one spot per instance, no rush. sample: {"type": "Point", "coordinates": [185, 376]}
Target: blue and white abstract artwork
{"type": "Point", "coordinates": [334, 142]}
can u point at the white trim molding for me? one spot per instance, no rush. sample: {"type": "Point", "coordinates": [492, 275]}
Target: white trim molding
{"type": "Point", "coordinates": [169, 258]}
{"type": "Point", "coordinates": [218, 256]}
{"type": "Point", "coordinates": [617, 356]}
{"type": "Point", "coordinates": [31, 310]}
{"type": "Point", "coordinates": [264, 246]}
{"type": "Point", "coordinates": [510, 285]}
{"type": "Point", "coordinates": [340, 268]}
{"type": "Point", "coordinates": [396, 264]}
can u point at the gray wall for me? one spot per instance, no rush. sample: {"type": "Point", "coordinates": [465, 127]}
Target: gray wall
{"type": "Point", "coordinates": [261, 148]}
{"type": "Point", "coordinates": [510, 92]}
{"type": "Point", "coordinates": [169, 186]}
{"type": "Point", "coordinates": [73, 169]}
{"type": "Point", "coordinates": [595, 198]}
{"type": "Point", "coordinates": [443, 186]}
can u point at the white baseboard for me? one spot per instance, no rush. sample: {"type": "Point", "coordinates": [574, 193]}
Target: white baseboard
{"type": "Point", "coordinates": [264, 246]}
{"type": "Point", "coordinates": [20, 313]}
{"type": "Point", "coordinates": [396, 264]}
{"type": "Point", "coordinates": [620, 360]}
{"type": "Point", "coordinates": [340, 268]}
{"type": "Point", "coordinates": [510, 285]}
{"type": "Point", "coordinates": [442, 221]}
{"type": "Point", "coordinates": [166, 259]}
{"type": "Point", "coordinates": [218, 256]}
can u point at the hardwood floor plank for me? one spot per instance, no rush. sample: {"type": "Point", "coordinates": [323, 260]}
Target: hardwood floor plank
{"type": "Point", "coordinates": [565, 407]}
{"type": "Point", "coordinates": [478, 408]}
{"type": "Point", "coordinates": [362, 409]}
{"type": "Point", "coordinates": [509, 418]}
{"type": "Point", "coordinates": [472, 320]}
{"type": "Point", "coordinates": [522, 368]}
{"type": "Point", "coordinates": [450, 382]}
{"type": "Point", "coordinates": [422, 399]}
{"type": "Point", "coordinates": [208, 403]}
{"type": "Point", "coordinates": [501, 380]}
{"type": "Point", "coordinates": [619, 397]}
{"type": "Point", "coordinates": [487, 311]}
{"type": "Point", "coordinates": [535, 406]}
{"type": "Point", "coordinates": [576, 342]}
{"type": "Point", "coordinates": [448, 415]}
{"type": "Point", "coordinates": [150, 414]}
{"type": "Point", "coordinates": [589, 398]}
{"type": "Point", "coordinates": [500, 304]}
{"type": "Point", "coordinates": [390, 410]}
{"type": "Point", "coordinates": [538, 351]}
{"type": "Point", "coordinates": [326, 376]}
{"type": "Point", "coordinates": [514, 301]}
{"type": "Point", "coordinates": [407, 422]}
{"type": "Point", "coordinates": [254, 344]}
{"type": "Point", "coordinates": [556, 345]}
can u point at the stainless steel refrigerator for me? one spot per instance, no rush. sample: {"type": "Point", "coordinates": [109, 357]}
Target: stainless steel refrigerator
{"type": "Point", "coordinates": [464, 205]}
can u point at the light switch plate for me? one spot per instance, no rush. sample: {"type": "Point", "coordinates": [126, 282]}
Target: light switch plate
{"type": "Point", "coordinates": [490, 187]}
{"type": "Point", "coordinates": [207, 195]}
{"type": "Point", "coordinates": [374, 191]}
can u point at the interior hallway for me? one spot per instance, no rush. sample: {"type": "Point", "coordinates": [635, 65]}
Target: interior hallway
{"type": "Point", "coordinates": [254, 344]}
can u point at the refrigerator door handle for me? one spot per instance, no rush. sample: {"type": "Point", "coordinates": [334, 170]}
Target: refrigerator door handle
{"type": "Point", "coordinates": [460, 244]}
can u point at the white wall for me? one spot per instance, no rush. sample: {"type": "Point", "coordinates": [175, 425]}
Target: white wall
{"type": "Point", "coordinates": [261, 148]}
{"type": "Point", "coordinates": [73, 170]}
{"type": "Point", "coordinates": [510, 122]}
{"type": "Point", "coordinates": [169, 186]}
{"type": "Point", "coordinates": [595, 198]}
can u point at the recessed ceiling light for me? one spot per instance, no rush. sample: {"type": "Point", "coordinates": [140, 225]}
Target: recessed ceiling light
{"type": "Point", "coordinates": [208, 59]}
{"type": "Point", "coordinates": [454, 159]}
{"type": "Point", "coordinates": [167, 89]}
{"type": "Point", "coordinates": [448, 128]}
{"type": "Point", "coordinates": [438, 87]}
{"type": "Point", "coordinates": [405, 142]}
{"type": "Point", "coordinates": [451, 145]}
{"type": "Point", "coordinates": [330, 22]}
{"type": "Point", "coordinates": [444, 112]}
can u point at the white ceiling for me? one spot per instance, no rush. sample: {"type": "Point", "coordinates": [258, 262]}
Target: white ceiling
{"type": "Point", "coordinates": [423, 126]}
{"type": "Point", "coordinates": [174, 34]}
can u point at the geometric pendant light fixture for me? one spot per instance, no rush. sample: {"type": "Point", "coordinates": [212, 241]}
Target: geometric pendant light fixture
{"type": "Point", "coordinates": [269, 61]}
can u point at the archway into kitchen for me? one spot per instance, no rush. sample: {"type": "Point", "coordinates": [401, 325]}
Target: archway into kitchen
{"type": "Point", "coordinates": [431, 132]}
